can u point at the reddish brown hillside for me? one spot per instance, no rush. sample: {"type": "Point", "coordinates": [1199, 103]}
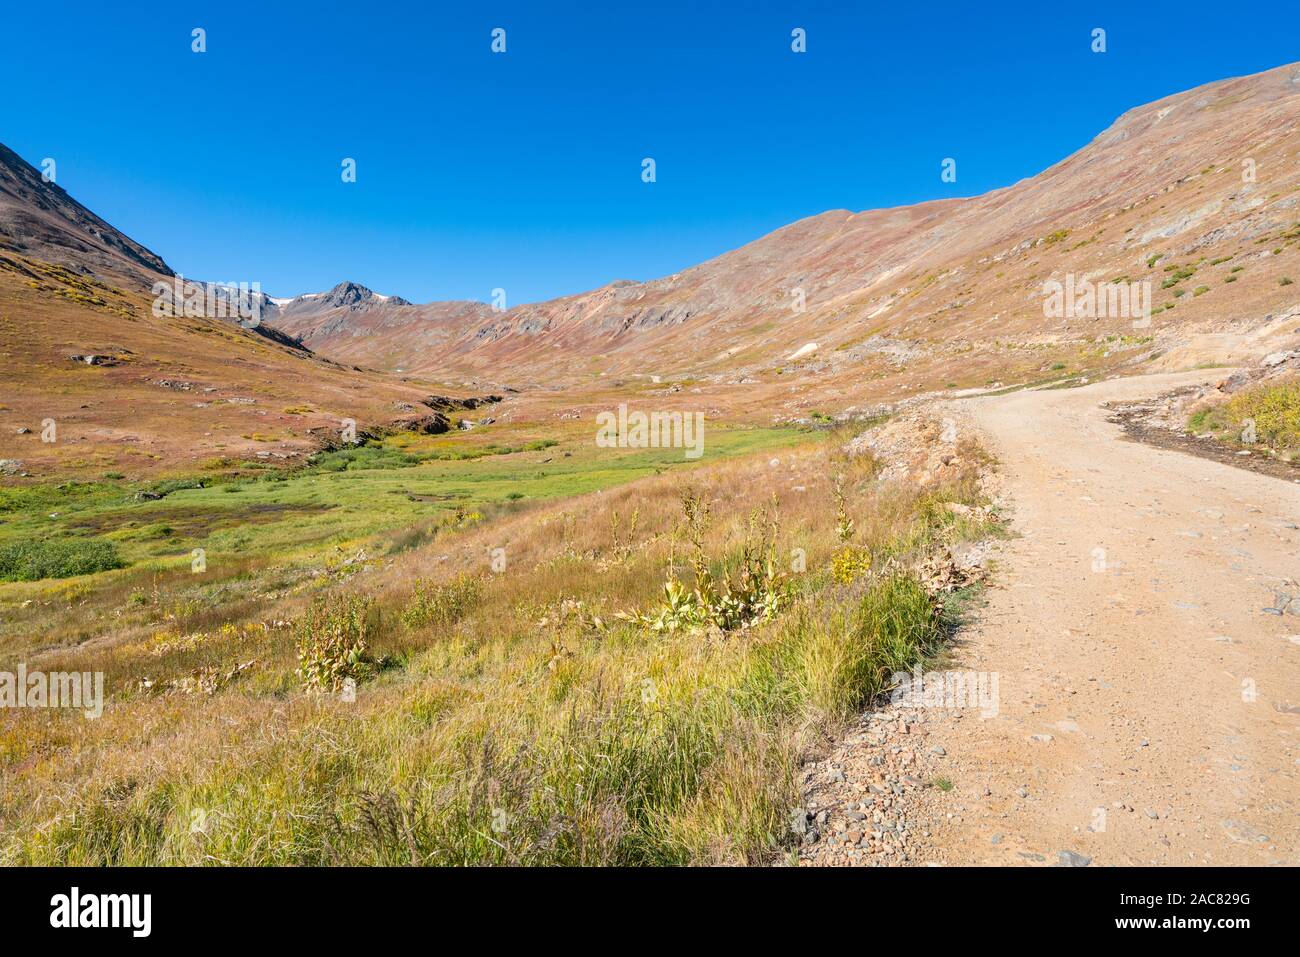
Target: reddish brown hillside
{"type": "Point", "coordinates": [944, 292]}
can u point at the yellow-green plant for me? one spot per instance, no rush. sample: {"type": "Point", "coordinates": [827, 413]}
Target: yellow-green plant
{"type": "Point", "coordinates": [622, 547]}
{"type": "Point", "coordinates": [1275, 410]}
{"type": "Point", "coordinates": [441, 603]}
{"type": "Point", "coordinates": [758, 592]}
{"type": "Point", "coordinates": [844, 526]}
{"type": "Point", "coordinates": [332, 642]}
{"type": "Point", "coordinates": [849, 562]}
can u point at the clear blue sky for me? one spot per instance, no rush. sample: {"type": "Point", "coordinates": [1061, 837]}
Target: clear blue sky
{"type": "Point", "coordinates": [523, 170]}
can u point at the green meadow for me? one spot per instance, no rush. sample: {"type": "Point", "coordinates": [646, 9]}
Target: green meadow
{"type": "Point", "coordinates": [334, 503]}
{"type": "Point", "coordinates": [346, 495]}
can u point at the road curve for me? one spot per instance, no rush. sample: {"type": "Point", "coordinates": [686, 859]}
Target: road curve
{"type": "Point", "coordinates": [1149, 705]}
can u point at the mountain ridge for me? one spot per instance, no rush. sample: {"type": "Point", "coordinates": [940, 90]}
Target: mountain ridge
{"type": "Point", "coordinates": [840, 259]}
{"type": "Point", "coordinates": [39, 218]}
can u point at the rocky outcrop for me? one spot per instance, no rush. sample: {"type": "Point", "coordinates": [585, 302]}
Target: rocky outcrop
{"type": "Point", "coordinates": [354, 295]}
{"type": "Point", "coordinates": [435, 423]}
{"type": "Point", "coordinates": [443, 418]}
{"type": "Point", "coordinates": [444, 403]}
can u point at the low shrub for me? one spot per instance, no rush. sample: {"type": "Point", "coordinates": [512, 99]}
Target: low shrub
{"type": "Point", "coordinates": [1275, 410]}
{"type": "Point", "coordinates": [33, 560]}
{"type": "Point", "coordinates": [752, 590]}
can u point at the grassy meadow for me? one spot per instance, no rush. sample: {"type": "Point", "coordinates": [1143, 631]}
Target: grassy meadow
{"type": "Point", "coordinates": [500, 647]}
{"type": "Point", "coordinates": [256, 521]}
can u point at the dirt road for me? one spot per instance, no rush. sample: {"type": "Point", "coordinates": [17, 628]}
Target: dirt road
{"type": "Point", "coordinates": [1149, 703]}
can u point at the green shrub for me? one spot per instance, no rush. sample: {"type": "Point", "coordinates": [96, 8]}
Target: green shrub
{"type": "Point", "coordinates": [1275, 410]}
{"type": "Point", "coordinates": [167, 486]}
{"type": "Point", "coordinates": [1213, 419]}
{"type": "Point", "coordinates": [751, 588]}
{"type": "Point", "coordinates": [56, 558]}
{"type": "Point", "coordinates": [360, 457]}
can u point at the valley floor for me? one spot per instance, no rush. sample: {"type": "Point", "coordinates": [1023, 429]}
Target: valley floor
{"type": "Point", "coordinates": [568, 707]}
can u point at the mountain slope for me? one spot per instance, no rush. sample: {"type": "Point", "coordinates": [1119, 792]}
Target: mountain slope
{"type": "Point", "coordinates": [40, 220]}
{"type": "Point", "coordinates": [1196, 195]}
{"type": "Point", "coordinates": [140, 394]}
{"type": "Point", "coordinates": [351, 310]}
{"type": "Point", "coordinates": [919, 285]}
{"type": "Point", "coordinates": [95, 382]}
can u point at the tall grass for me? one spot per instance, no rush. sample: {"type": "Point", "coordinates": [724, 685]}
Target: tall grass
{"type": "Point", "coordinates": [528, 723]}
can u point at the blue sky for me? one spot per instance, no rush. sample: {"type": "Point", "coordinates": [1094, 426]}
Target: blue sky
{"type": "Point", "coordinates": [523, 170]}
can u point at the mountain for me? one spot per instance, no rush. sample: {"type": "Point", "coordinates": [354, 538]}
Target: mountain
{"type": "Point", "coordinates": [350, 310]}
{"type": "Point", "coordinates": [346, 295]}
{"type": "Point", "coordinates": [40, 220]}
{"type": "Point", "coordinates": [922, 295]}
{"type": "Point", "coordinates": [140, 393]}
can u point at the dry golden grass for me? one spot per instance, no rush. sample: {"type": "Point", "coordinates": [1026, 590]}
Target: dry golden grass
{"type": "Point", "coordinates": [522, 721]}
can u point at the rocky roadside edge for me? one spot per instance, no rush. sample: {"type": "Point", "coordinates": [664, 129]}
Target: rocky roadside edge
{"type": "Point", "coordinates": [870, 801]}
{"type": "Point", "coordinates": [877, 795]}
{"type": "Point", "coordinates": [880, 797]}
